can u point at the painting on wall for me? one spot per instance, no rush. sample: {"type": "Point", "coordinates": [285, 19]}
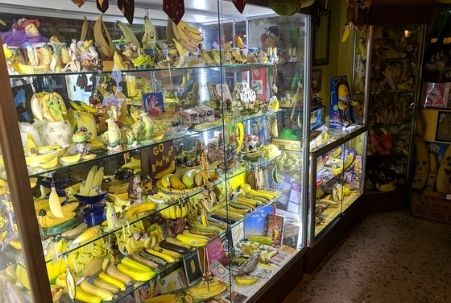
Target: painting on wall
{"type": "Point", "coordinates": [321, 37]}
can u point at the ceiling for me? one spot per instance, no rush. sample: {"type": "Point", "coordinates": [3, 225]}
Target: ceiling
{"type": "Point", "coordinates": [196, 11]}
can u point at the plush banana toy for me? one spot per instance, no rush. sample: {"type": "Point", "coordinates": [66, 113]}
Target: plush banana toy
{"type": "Point", "coordinates": [443, 182]}
{"type": "Point", "coordinates": [422, 164]}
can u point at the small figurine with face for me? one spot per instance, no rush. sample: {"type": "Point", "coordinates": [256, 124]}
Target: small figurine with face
{"type": "Point", "coordinates": [344, 104]}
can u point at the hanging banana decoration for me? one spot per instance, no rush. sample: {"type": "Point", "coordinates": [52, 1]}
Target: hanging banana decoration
{"type": "Point", "coordinates": [175, 9]}
{"type": "Point", "coordinates": [127, 7]}
{"type": "Point", "coordinates": [79, 3]}
{"type": "Point", "coordinates": [239, 4]}
{"type": "Point", "coordinates": [102, 5]}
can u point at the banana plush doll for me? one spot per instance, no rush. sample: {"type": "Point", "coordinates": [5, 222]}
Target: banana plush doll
{"type": "Point", "coordinates": [443, 182]}
{"type": "Point", "coordinates": [422, 164]}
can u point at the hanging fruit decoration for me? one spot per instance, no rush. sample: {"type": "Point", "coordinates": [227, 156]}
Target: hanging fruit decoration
{"type": "Point", "coordinates": [240, 4]}
{"type": "Point", "coordinates": [127, 7]}
{"type": "Point", "coordinates": [175, 9]}
{"type": "Point", "coordinates": [79, 3]}
{"type": "Point", "coordinates": [285, 7]}
{"type": "Point", "coordinates": [102, 5]}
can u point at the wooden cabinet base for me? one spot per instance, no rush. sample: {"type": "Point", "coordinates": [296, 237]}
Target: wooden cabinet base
{"type": "Point", "coordinates": [384, 201]}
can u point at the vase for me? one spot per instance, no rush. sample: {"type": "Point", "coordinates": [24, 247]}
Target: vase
{"type": "Point", "coordinates": [56, 133]}
{"type": "Point", "coordinates": [27, 128]}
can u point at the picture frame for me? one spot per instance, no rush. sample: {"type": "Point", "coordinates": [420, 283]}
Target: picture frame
{"type": "Point", "coordinates": [316, 81]}
{"type": "Point", "coordinates": [321, 38]}
{"type": "Point", "coordinates": [192, 268]}
{"type": "Point", "coordinates": [443, 130]}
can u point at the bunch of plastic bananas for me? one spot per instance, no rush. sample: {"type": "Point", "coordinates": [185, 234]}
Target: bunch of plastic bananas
{"type": "Point", "coordinates": [175, 211]}
{"type": "Point", "coordinates": [188, 35]}
{"type": "Point", "coordinates": [206, 289]}
{"type": "Point", "coordinates": [84, 260]}
{"type": "Point", "coordinates": [143, 61]}
{"type": "Point", "coordinates": [93, 182]}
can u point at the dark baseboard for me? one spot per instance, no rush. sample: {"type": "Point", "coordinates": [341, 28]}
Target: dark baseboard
{"type": "Point", "coordinates": [384, 202]}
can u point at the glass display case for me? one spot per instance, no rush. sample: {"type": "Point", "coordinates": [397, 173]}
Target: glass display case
{"type": "Point", "coordinates": [338, 145]}
{"type": "Point", "coordinates": [337, 175]}
{"type": "Point", "coordinates": [167, 162]}
{"type": "Point", "coordinates": [395, 71]}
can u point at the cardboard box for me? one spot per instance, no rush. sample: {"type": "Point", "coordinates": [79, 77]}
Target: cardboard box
{"type": "Point", "coordinates": [431, 205]}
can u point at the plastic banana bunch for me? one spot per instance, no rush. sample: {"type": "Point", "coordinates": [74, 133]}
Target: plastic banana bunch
{"type": "Point", "coordinates": [207, 227]}
{"type": "Point", "coordinates": [132, 239]}
{"type": "Point", "coordinates": [193, 240]}
{"type": "Point", "coordinates": [54, 217]}
{"type": "Point", "coordinates": [206, 289]}
{"type": "Point", "coordinates": [139, 209]}
{"type": "Point", "coordinates": [266, 255]}
{"type": "Point", "coordinates": [142, 61]}
{"type": "Point", "coordinates": [93, 182]}
{"type": "Point", "coordinates": [189, 36]}
{"type": "Point", "coordinates": [48, 106]}
{"type": "Point", "coordinates": [112, 279]}
{"type": "Point", "coordinates": [85, 260]}
{"type": "Point", "coordinates": [175, 211]}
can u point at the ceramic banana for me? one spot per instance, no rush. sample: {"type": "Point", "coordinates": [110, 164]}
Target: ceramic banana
{"type": "Point", "coordinates": [102, 38]}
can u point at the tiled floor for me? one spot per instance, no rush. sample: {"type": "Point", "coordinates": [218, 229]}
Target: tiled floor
{"type": "Point", "coordinates": [389, 258]}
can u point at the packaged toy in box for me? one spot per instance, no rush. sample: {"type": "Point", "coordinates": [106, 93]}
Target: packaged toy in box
{"type": "Point", "coordinates": [341, 110]}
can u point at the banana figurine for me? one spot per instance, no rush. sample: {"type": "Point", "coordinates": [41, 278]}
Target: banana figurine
{"type": "Point", "coordinates": [128, 34]}
{"type": "Point", "coordinates": [444, 173]}
{"type": "Point", "coordinates": [118, 63]}
{"type": "Point", "coordinates": [239, 42]}
{"type": "Point", "coordinates": [150, 37]}
{"type": "Point", "coordinates": [189, 36]}
{"type": "Point", "coordinates": [422, 164]}
{"type": "Point", "coordinates": [432, 177]}
{"type": "Point", "coordinates": [102, 38]}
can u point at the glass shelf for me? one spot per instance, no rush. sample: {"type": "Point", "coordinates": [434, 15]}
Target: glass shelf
{"type": "Point", "coordinates": [337, 138]}
{"type": "Point", "coordinates": [106, 153]}
{"type": "Point", "coordinates": [164, 270]}
{"type": "Point", "coordinates": [176, 199]}
{"type": "Point", "coordinates": [153, 69]}
{"type": "Point", "coordinates": [390, 92]}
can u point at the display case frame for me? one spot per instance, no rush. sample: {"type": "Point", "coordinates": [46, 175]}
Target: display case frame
{"type": "Point", "coordinates": [30, 232]}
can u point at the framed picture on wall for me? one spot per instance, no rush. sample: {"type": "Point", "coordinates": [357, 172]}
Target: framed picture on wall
{"type": "Point", "coordinates": [316, 81]}
{"type": "Point", "coordinates": [321, 37]}
{"type": "Point", "coordinates": [443, 133]}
